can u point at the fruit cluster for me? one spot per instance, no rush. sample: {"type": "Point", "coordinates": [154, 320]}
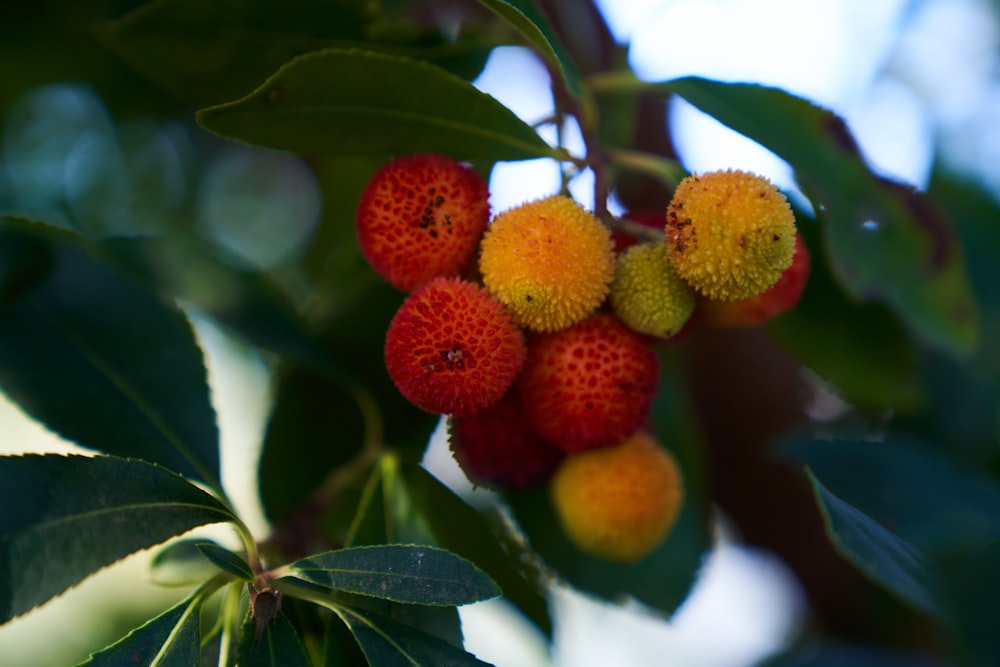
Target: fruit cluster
{"type": "Point", "coordinates": [535, 331]}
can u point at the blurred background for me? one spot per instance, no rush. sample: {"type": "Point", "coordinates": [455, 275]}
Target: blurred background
{"type": "Point", "coordinates": [87, 143]}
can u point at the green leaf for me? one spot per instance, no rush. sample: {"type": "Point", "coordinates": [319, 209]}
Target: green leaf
{"type": "Point", "coordinates": [339, 647]}
{"type": "Point", "coordinates": [928, 496]}
{"type": "Point", "coordinates": [316, 426]}
{"type": "Point", "coordinates": [402, 573]}
{"type": "Point", "coordinates": [172, 639]}
{"type": "Point", "coordinates": [886, 241]}
{"type": "Point", "coordinates": [404, 501]}
{"type": "Point", "coordinates": [66, 517]}
{"type": "Point", "coordinates": [358, 102]}
{"type": "Point", "coordinates": [226, 560]}
{"type": "Point", "coordinates": [523, 16]}
{"type": "Point", "coordinates": [278, 646]}
{"type": "Point", "coordinates": [883, 557]}
{"type": "Point", "coordinates": [181, 563]}
{"type": "Point", "coordinates": [213, 51]}
{"type": "Point", "coordinates": [102, 362]}
{"type": "Point", "coordinates": [972, 583]}
{"type": "Point", "coordinates": [387, 643]}
{"type": "Point", "coordinates": [863, 350]}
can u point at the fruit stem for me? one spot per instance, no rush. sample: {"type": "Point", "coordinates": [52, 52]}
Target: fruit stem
{"type": "Point", "coordinates": [669, 172]}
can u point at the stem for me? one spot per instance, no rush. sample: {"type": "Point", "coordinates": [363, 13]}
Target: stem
{"type": "Point", "coordinates": [668, 171]}
{"type": "Point", "coordinates": [230, 622]}
{"type": "Point", "coordinates": [253, 554]}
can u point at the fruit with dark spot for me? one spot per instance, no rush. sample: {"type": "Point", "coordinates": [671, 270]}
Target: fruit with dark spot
{"type": "Point", "coordinates": [452, 348]}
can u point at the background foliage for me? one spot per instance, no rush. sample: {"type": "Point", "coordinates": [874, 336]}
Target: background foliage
{"type": "Point", "coordinates": [120, 117]}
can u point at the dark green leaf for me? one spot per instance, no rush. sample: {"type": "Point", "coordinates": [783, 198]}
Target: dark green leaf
{"type": "Point", "coordinates": [181, 563]}
{"type": "Point", "coordinates": [366, 103]}
{"type": "Point", "coordinates": [523, 16]}
{"type": "Point", "coordinates": [278, 645]}
{"type": "Point", "coordinates": [387, 643]}
{"type": "Point", "coordinates": [66, 517]}
{"type": "Point", "coordinates": [172, 639]}
{"type": "Point", "coordinates": [214, 51]}
{"type": "Point", "coordinates": [226, 560]}
{"type": "Point", "coordinates": [883, 557]}
{"type": "Point", "coordinates": [102, 362]}
{"type": "Point", "coordinates": [401, 573]}
{"type": "Point", "coordinates": [928, 497]}
{"type": "Point", "coordinates": [316, 426]}
{"type": "Point", "coordinates": [972, 583]}
{"type": "Point", "coordinates": [885, 241]}
{"type": "Point", "coordinates": [862, 350]}
{"type": "Point", "coordinates": [339, 647]}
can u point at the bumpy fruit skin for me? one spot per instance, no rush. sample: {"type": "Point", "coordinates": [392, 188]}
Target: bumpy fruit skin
{"type": "Point", "coordinates": [451, 348]}
{"type": "Point", "coordinates": [648, 295]}
{"type": "Point", "coordinates": [549, 261]}
{"type": "Point", "coordinates": [730, 234]}
{"type": "Point", "coordinates": [421, 217]}
{"type": "Point", "coordinates": [781, 297]}
{"type": "Point", "coordinates": [497, 447]}
{"type": "Point", "coordinates": [589, 385]}
{"type": "Point", "coordinates": [619, 503]}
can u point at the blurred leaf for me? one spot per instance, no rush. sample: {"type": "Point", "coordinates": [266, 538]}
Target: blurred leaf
{"type": "Point", "coordinates": [972, 582]}
{"type": "Point", "coordinates": [402, 573]}
{"type": "Point", "coordinates": [357, 102]}
{"type": "Point", "coordinates": [925, 495]}
{"type": "Point", "coordinates": [855, 655]}
{"type": "Point", "coordinates": [209, 52]}
{"type": "Point", "coordinates": [862, 350]}
{"type": "Point", "coordinates": [662, 579]}
{"type": "Point", "coordinates": [247, 303]}
{"type": "Point", "coordinates": [66, 517]}
{"type": "Point", "coordinates": [387, 643]}
{"type": "Point", "coordinates": [523, 16]}
{"type": "Point", "coordinates": [226, 560]}
{"type": "Point", "coordinates": [885, 241]}
{"type": "Point", "coordinates": [883, 557]}
{"type": "Point", "coordinates": [102, 362]}
{"type": "Point", "coordinates": [172, 639]}
{"type": "Point", "coordinates": [279, 645]}
{"type": "Point", "coordinates": [181, 563]}
{"type": "Point", "coordinates": [316, 426]}
{"type": "Point", "coordinates": [964, 397]}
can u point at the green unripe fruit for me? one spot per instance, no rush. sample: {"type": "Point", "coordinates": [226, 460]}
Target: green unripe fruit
{"type": "Point", "coordinates": [648, 295]}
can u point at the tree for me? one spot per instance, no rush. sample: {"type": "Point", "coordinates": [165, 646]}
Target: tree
{"type": "Point", "coordinates": [888, 516]}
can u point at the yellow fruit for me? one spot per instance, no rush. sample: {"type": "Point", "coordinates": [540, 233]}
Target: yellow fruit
{"type": "Point", "coordinates": [619, 503]}
{"type": "Point", "coordinates": [548, 261]}
{"type": "Point", "coordinates": [730, 234]}
{"type": "Point", "coordinates": [648, 295]}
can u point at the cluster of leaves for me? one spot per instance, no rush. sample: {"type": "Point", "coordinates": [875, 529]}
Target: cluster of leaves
{"type": "Point", "coordinates": [365, 542]}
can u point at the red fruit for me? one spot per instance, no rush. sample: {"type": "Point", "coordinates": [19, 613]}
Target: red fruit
{"type": "Point", "coordinates": [497, 447]}
{"type": "Point", "coordinates": [589, 385]}
{"type": "Point", "coordinates": [451, 348]}
{"type": "Point", "coordinates": [647, 218]}
{"type": "Point", "coordinates": [777, 299]}
{"type": "Point", "coordinates": [421, 217]}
